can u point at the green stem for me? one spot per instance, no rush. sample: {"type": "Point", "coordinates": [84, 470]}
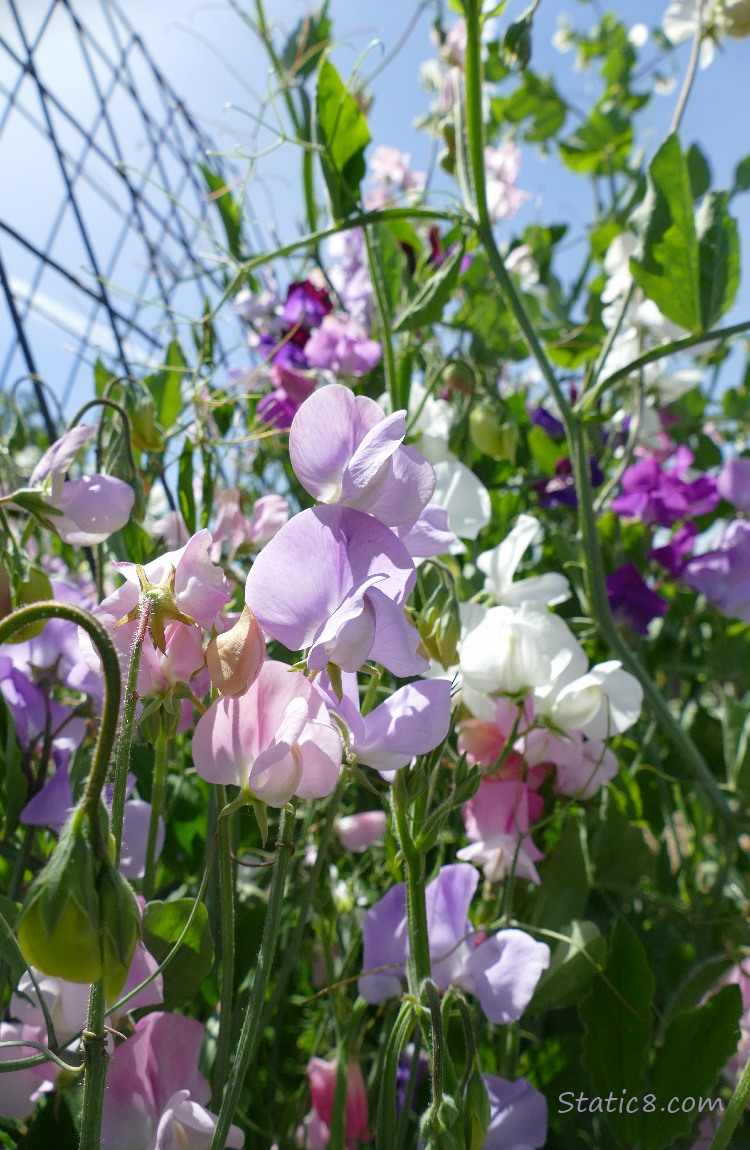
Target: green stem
{"type": "Point", "coordinates": [95, 1070]}
{"type": "Point", "coordinates": [226, 905]}
{"type": "Point", "coordinates": [418, 966]}
{"type": "Point", "coordinates": [599, 607]}
{"type": "Point", "coordinates": [158, 792]}
{"type": "Point", "coordinates": [111, 669]}
{"type": "Point", "coordinates": [381, 304]}
{"type": "Point", "coordinates": [734, 1111]}
{"type": "Point", "coordinates": [122, 757]}
{"type": "Point", "coordinates": [251, 1032]}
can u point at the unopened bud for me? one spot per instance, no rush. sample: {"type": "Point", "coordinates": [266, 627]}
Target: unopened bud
{"type": "Point", "coordinates": [236, 657]}
{"type": "Point", "coordinates": [476, 1112]}
{"type": "Point", "coordinates": [120, 924]}
{"type": "Point", "coordinates": [736, 18]}
{"type": "Point", "coordinates": [491, 436]}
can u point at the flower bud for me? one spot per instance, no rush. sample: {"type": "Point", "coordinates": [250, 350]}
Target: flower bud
{"type": "Point", "coordinates": [476, 1112]}
{"type": "Point", "coordinates": [236, 657]}
{"type": "Point", "coordinates": [736, 18]}
{"type": "Point", "coordinates": [492, 437]}
{"type": "Point", "coordinates": [120, 921]}
{"type": "Point", "coordinates": [58, 931]}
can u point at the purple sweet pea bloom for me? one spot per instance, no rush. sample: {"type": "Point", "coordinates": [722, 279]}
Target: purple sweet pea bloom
{"type": "Point", "coordinates": [341, 345]}
{"type": "Point", "coordinates": [92, 507]}
{"type": "Point", "coordinates": [672, 554]}
{"type": "Point", "coordinates": [632, 600]}
{"type": "Point", "coordinates": [723, 575]}
{"type": "Point", "coordinates": [518, 1115]}
{"type": "Point", "coordinates": [502, 971]}
{"type": "Point", "coordinates": [560, 489]}
{"type": "Point", "coordinates": [335, 580]}
{"type": "Point", "coordinates": [155, 1093]}
{"type": "Point", "coordinates": [428, 535]}
{"type": "Point", "coordinates": [306, 305]}
{"type": "Point", "coordinates": [734, 483]}
{"type": "Point", "coordinates": [554, 427]}
{"type": "Point", "coordinates": [345, 450]}
{"type": "Point", "coordinates": [655, 495]}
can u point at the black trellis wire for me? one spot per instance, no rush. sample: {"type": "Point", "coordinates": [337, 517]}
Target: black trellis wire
{"type": "Point", "coordinates": [107, 258]}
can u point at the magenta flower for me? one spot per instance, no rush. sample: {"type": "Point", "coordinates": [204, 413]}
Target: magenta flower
{"type": "Point", "coordinates": [518, 1115]}
{"type": "Point", "coordinates": [632, 600]}
{"type": "Point", "coordinates": [276, 740]}
{"type": "Point", "coordinates": [344, 450]}
{"type": "Point", "coordinates": [155, 1093]}
{"type": "Point", "coordinates": [502, 971]}
{"type": "Point", "coordinates": [335, 581]}
{"type": "Point", "coordinates": [91, 507]}
{"type": "Point", "coordinates": [655, 495]}
{"type": "Point", "coordinates": [723, 575]}
{"type": "Point", "coordinates": [341, 345]}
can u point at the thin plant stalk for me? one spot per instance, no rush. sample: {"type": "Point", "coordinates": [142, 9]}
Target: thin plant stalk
{"type": "Point", "coordinates": [158, 793]}
{"type": "Point", "coordinates": [122, 756]}
{"type": "Point", "coordinates": [226, 909]}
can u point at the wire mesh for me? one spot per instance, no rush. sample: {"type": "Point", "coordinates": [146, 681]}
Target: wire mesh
{"type": "Point", "coordinates": [103, 214]}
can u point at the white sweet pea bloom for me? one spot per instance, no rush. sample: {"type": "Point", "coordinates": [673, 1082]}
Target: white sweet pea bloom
{"type": "Point", "coordinates": [515, 649]}
{"type": "Point", "coordinates": [621, 703]}
{"type": "Point", "coordinates": [680, 23]}
{"type": "Point", "coordinates": [464, 497]}
{"type": "Point", "coordinates": [501, 563]}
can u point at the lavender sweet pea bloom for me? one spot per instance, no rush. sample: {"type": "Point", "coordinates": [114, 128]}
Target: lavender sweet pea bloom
{"type": "Point", "coordinates": [345, 450]}
{"type": "Point", "coordinates": [723, 575]}
{"type": "Point", "coordinates": [91, 507]}
{"type": "Point", "coordinates": [341, 345]}
{"type": "Point", "coordinates": [502, 971]}
{"type": "Point", "coordinates": [734, 483]}
{"type": "Point", "coordinates": [655, 495]}
{"type": "Point", "coordinates": [518, 1115]}
{"type": "Point", "coordinates": [335, 580]}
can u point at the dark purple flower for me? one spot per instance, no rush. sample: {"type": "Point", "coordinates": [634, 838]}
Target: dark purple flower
{"type": "Point", "coordinates": [549, 423]}
{"type": "Point", "coordinates": [672, 554]}
{"type": "Point", "coordinates": [560, 490]}
{"type": "Point", "coordinates": [723, 575]}
{"type": "Point", "coordinates": [306, 305]}
{"type": "Point", "coordinates": [632, 600]}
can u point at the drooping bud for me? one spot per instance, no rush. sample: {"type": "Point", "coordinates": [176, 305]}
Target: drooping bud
{"type": "Point", "coordinates": [493, 436]}
{"type": "Point", "coordinates": [476, 1112]}
{"type": "Point", "coordinates": [236, 657]}
{"type": "Point", "coordinates": [120, 923]}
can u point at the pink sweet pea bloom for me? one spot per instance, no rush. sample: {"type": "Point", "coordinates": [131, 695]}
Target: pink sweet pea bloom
{"type": "Point", "coordinates": [155, 1093]}
{"type": "Point", "coordinates": [345, 450]}
{"type": "Point", "coordinates": [277, 740]}
{"type": "Point", "coordinates": [582, 766]}
{"type": "Point", "coordinates": [360, 831]}
{"type": "Point", "coordinates": [92, 507]}
{"type": "Point", "coordinates": [497, 822]}
{"type": "Point", "coordinates": [322, 1077]}
{"type": "Point", "coordinates": [335, 581]}
{"type": "Point", "coordinates": [20, 1090]}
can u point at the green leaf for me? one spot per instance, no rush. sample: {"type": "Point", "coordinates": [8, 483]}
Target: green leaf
{"type": "Point", "coordinates": [185, 493]}
{"type": "Point", "coordinates": [536, 101]}
{"type": "Point", "coordinates": [342, 129]}
{"type": "Point", "coordinates": [544, 450]}
{"type": "Point", "coordinates": [13, 782]}
{"type": "Point", "coordinates": [735, 725]}
{"type": "Point", "coordinates": [699, 171]}
{"type": "Point", "coordinates": [311, 36]}
{"type": "Point", "coordinates": [719, 248]}
{"type": "Point", "coordinates": [230, 209]}
{"type": "Point", "coordinates": [565, 885]}
{"type": "Point", "coordinates": [429, 302]}
{"type": "Point", "coordinates": [166, 385]}
{"type": "Point", "coordinates": [620, 853]}
{"type": "Point", "coordinates": [390, 261]}
{"type": "Point", "coordinates": [572, 968]}
{"type": "Point", "coordinates": [617, 1019]}
{"type": "Point", "coordinates": [601, 144]}
{"type": "Point", "coordinates": [710, 1034]}
{"type": "Point", "coordinates": [669, 268]}
{"type": "Point", "coordinates": [10, 952]}
{"type": "Point", "coordinates": [163, 923]}
{"type": "Point", "coordinates": [102, 376]}
{"type": "Point", "coordinates": [741, 181]}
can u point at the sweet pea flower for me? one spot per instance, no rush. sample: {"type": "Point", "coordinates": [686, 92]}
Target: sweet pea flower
{"type": "Point", "coordinates": [155, 1093]}
{"type": "Point", "coordinates": [341, 345]}
{"type": "Point", "coordinates": [236, 529]}
{"type": "Point", "coordinates": [514, 649]}
{"type": "Point", "coordinates": [632, 600]}
{"type": "Point", "coordinates": [321, 1074]}
{"type": "Point", "coordinates": [654, 494]}
{"type": "Point", "coordinates": [275, 741]}
{"type": "Point", "coordinates": [518, 1115]}
{"type": "Point", "coordinates": [502, 165]}
{"type": "Point", "coordinates": [20, 1090]}
{"type": "Point", "coordinates": [464, 497]}
{"type": "Point", "coordinates": [723, 574]}
{"type": "Point", "coordinates": [345, 450]}
{"type": "Point", "coordinates": [90, 508]}
{"type": "Point", "coordinates": [360, 831]}
{"type": "Point", "coordinates": [502, 971]}
{"type": "Point", "coordinates": [581, 765]}
{"type": "Point", "coordinates": [734, 483]}
{"type": "Point", "coordinates": [497, 822]}
{"type": "Point", "coordinates": [335, 580]}
{"type": "Point", "coordinates": [349, 273]}
{"type": "Point", "coordinates": [501, 563]}
{"type": "Point", "coordinates": [412, 721]}
{"type": "Point", "coordinates": [672, 554]}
